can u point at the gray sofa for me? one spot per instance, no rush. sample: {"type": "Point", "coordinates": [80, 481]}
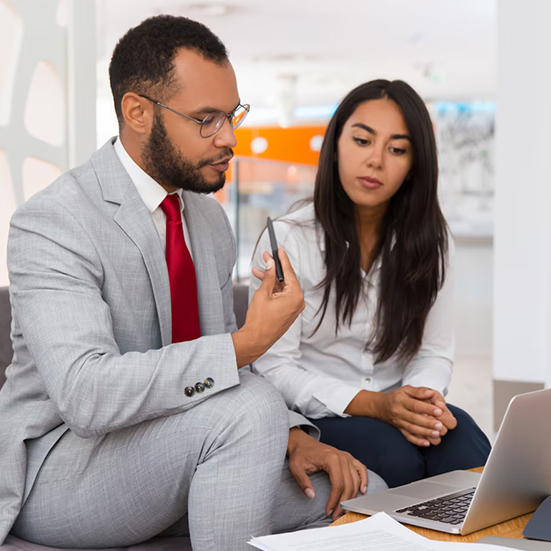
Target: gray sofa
{"type": "Point", "coordinates": [240, 294]}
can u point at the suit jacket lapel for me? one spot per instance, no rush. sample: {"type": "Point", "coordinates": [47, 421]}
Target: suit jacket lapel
{"type": "Point", "coordinates": [135, 220]}
{"type": "Point", "coordinates": [204, 258]}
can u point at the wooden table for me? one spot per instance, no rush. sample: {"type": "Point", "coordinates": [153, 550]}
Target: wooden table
{"type": "Point", "coordinates": [511, 529]}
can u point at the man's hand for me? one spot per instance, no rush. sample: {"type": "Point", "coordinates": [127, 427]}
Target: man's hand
{"type": "Point", "coordinates": [273, 309]}
{"type": "Point", "coordinates": [347, 474]}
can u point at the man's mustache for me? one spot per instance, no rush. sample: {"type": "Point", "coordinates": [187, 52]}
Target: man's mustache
{"type": "Point", "coordinates": [226, 156]}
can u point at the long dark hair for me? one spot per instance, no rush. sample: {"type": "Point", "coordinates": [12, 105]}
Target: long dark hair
{"type": "Point", "coordinates": [413, 242]}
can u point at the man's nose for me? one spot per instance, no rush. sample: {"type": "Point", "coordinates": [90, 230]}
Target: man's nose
{"type": "Point", "coordinates": [225, 137]}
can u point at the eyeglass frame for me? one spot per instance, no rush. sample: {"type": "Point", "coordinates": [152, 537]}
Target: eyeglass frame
{"type": "Point", "coordinates": [229, 115]}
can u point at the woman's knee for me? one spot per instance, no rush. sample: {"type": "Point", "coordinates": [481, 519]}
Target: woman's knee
{"type": "Point", "coordinates": [464, 447]}
{"type": "Point", "coordinates": [468, 433]}
{"type": "Point", "coordinates": [380, 446]}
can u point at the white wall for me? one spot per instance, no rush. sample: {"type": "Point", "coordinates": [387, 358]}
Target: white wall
{"type": "Point", "coordinates": [47, 97]}
{"type": "Point", "coordinates": [522, 244]}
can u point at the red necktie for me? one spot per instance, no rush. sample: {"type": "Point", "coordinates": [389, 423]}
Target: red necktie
{"type": "Point", "coordinates": [181, 274]}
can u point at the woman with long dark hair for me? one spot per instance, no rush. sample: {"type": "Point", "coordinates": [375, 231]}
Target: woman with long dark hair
{"type": "Point", "coordinates": [370, 358]}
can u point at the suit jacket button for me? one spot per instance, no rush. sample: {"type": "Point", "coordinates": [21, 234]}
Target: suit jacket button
{"type": "Point", "coordinates": [208, 382]}
{"type": "Point", "coordinates": [189, 391]}
{"type": "Point", "coordinates": [200, 387]}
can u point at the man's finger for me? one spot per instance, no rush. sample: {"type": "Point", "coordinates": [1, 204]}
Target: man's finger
{"type": "Point", "coordinates": [362, 471]}
{"type": "Point", "coordinates": [351, 479]}
{"type": "Point", "coordinates": [337, 487]}
{"type": "Point", "coordinates": [259, 274]}
{"type": "Point", "coordinates": [303, 480]}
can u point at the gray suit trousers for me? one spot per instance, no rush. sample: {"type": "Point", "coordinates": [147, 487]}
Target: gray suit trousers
{"type": "Point", "coordinates": [214, 468]}
{"type": "Point", "coordinates": [219, 462]}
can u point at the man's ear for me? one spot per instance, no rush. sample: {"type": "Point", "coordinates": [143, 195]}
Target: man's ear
{"type": "Point", "coordinates": [137, 112]}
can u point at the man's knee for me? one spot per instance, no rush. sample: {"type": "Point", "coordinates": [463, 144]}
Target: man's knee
{"type": "Point", "coordinates": [258, 400]}
{"type": "Point", "coordinates": [251, 415]}
{"type": "Point", "coordinates": [375, 483]}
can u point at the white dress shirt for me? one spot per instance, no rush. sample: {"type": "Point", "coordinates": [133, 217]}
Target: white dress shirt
{"type": "Point", "coordinates": [319, 374]}
{"type": "Point", "coordinates": [152, 194]}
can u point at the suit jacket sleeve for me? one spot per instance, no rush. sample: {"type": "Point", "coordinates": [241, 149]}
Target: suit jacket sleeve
{"type": "Point", "coordinates": [57, 280]}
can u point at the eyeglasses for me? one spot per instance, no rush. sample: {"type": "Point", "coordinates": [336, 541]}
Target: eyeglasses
{"type": "Point", "coordinates": [213, 121]}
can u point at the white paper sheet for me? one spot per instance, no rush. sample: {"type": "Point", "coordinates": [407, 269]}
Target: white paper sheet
{"type": "Point", "coordinates": [377, 533]}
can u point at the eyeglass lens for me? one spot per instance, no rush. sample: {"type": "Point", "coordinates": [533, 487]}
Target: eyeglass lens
{"type": "Point", "coordinates": [213, 122]}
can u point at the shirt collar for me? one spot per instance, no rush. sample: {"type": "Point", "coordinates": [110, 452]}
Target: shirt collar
{"type": "Point", "coordinates": [151, 192]}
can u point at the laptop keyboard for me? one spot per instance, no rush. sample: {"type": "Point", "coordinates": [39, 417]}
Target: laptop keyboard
{"type": "Point", "coordinates": [450, 509]}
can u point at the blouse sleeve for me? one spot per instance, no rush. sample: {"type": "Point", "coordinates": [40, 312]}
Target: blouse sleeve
{"type": "Point", "coordinates": [432, 365]}
{"type": "Point", "coordinates": [281, 365]}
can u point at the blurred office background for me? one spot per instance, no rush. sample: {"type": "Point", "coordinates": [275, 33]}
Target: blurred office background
{"type": "Point", "coordinates": [482, 66]}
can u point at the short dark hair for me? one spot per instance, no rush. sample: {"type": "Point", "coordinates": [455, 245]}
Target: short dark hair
{"type": "Point", "coordinates": [413, 244]}
{"type": "Point", "coordinates": [143, 59]}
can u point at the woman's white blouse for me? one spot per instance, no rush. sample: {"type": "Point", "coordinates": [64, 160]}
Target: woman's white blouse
{"type": "Point", "coordinates": [319, 374]}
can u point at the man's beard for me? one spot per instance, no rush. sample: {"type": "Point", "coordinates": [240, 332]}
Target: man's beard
{"type": "Point", "coordinates": [169, 167]}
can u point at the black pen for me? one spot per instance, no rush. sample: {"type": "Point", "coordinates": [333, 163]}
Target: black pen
{"type": "Point", "coordinates": [273, 243]}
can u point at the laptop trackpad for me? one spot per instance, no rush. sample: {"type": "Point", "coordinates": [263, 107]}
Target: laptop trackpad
{"type": "Point", "coordinates": [424, 490]}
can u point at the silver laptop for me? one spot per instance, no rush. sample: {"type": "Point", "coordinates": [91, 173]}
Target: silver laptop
{"type": "Point", "coordinates": [516, 478]}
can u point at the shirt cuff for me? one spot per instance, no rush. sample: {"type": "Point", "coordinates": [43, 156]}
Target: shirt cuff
{"type": "Point", "coordinates": [298, 420]}
{"type": "Point", "coordinates": [337, 399]}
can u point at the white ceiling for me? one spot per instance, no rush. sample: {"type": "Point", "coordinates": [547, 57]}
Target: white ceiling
{"type": "Point", "coordinates": [312, 52]}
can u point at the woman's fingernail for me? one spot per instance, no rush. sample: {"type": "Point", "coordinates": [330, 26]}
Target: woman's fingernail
{"type": "Point", "coordinates": [330, 513]}
{"type": "Point", "coordinates": [437, 411]}
{"type": "Point", "coordinates": [310, 493]}
{"type": "Point", "coordinates": [438, 426]}
{"type": "Point", "coordinates": [269, 264]}
{"type": "Point", "coordinates": [435, 433]}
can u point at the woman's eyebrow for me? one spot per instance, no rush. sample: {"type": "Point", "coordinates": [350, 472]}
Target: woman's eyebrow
{"type": "Point", "coordinates": [374, 132]}
{"type": "Point", "coordinates": [365, 127]}
{"type": "Point", "coordinates": [400, 137]}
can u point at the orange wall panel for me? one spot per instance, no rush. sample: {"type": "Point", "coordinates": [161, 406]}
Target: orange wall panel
{"type": "Point", "coordinates": [293, 145]}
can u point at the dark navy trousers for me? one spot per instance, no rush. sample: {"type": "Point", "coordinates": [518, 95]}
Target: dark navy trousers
{"type": "Point", "coordinates": [383, 449]}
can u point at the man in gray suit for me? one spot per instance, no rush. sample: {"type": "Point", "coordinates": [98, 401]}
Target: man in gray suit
{"type": "Point", "coordinates": [116, 426]}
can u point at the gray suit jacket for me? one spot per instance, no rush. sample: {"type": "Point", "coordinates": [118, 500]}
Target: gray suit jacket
{"type": "Point", "coordinates": [91, 323]}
